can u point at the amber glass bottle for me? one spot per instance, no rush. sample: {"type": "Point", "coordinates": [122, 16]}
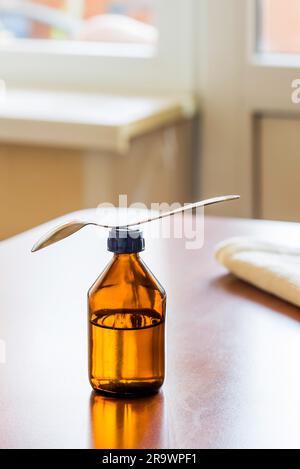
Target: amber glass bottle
{"type": "Point", "coordinates": [126, 322]}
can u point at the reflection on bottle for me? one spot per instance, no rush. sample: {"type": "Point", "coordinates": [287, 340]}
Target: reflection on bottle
{"type": "Point", "coordinates": [128, 423]}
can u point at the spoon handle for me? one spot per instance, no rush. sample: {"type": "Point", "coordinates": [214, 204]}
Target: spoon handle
{"type": "Point", "coordinates": [202, 203]}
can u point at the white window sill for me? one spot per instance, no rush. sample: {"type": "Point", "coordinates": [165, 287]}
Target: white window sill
{"type": "Point", "coordinates": [86, 120]}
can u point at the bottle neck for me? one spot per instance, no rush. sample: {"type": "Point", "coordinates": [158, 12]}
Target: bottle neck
{"type": "Point", "coordinates": [127, 257]}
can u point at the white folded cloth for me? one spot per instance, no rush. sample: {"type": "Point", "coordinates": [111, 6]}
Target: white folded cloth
{"type": "Point", "coordinates": [271, 266]}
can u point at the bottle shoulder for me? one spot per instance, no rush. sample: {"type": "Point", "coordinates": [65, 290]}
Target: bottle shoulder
{"type": "Point", "coordinates": [121, 272]}
{"type": "Point", "coordinates": [155, 283]}
{"type": "Point", "coordinates": [102, 279]}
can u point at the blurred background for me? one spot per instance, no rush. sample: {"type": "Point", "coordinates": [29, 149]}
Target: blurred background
{"type": "Point", "coordinates": [162, 100]}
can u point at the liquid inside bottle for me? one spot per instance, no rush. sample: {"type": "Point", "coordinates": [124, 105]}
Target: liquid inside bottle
{"type": "Point", "coordinates": [133, 347]}
{"type": "Point", "coordinates": [127, 324]}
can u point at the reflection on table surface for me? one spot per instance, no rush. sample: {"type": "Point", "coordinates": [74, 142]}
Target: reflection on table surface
{"type": "Point", "coordinates": [128, 423]}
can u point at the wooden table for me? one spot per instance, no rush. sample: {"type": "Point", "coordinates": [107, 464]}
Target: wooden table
{"type": "Point", "coordinates": [233, 351]}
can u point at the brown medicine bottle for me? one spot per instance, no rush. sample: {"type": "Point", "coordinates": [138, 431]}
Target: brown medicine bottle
{"type": "Point", "coordinates": [127, 307]}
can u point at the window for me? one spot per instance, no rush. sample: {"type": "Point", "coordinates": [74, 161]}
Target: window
{"type": "Point", "coordinates": [124, 21]}
{"type": "Point", "coordinates": [107, 45]}
{"type": "Point", "coordinates": [279, 26]}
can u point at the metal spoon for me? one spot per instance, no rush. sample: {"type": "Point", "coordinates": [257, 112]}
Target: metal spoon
{"type": "Point", "coordinates": [68, 229]}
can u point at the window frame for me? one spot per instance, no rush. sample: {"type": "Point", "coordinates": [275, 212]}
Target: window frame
{"type": "Point", "coordinates": [238, 85]}
{"type": "Point", "coordinates": [110, 67]}
{"type": "Point", "coordinates": [266, 72]}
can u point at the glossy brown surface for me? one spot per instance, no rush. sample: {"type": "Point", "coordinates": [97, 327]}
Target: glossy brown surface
{"type": "Point", "coordinates": [233, 367]}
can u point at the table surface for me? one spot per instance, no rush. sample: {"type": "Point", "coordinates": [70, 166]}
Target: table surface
{"type": "Point", "coordinates": [233, 366]}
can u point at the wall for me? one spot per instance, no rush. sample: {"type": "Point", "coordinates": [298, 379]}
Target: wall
{"type": "Point", "coordinates": [278, 168]}
{"type": "Point", "coordinates": [38, 184]}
